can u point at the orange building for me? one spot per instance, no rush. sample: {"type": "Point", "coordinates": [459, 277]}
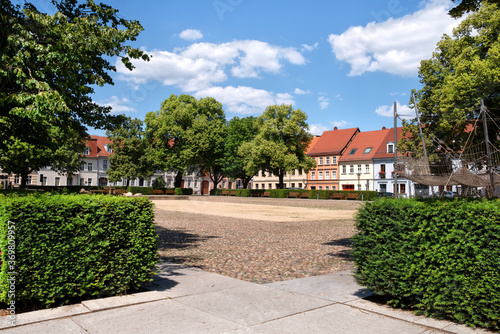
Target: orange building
{"type": "Point", "coordinates": [326, 151]}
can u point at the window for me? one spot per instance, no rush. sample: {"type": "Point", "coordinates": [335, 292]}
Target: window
{"type": "Point", "coordinates": [402, 188]}
{"type": "Point", "coordinates": [270, 174]}
{"type": "Point", "coordinates": [382, 168]}
{"type": "Point", "coordinates": [327, 175]}
{"type": "Point", "coordinates": [344, 169]}
{"type": "Point", "coordinates": [263, 186]}
{"type": "Point", "coordinates": [359, 169]}
{"type": "Point", "coordinates": [367, 168]}
{"type": "Point", "coordinates": [348, 187]}
{"type": "Point", "coordinates": [320, 188]}
{"type": "Point", "coordinates": [82, 181]}
{"type": "Point", "coordinates": [224, 184]}
{"type": "Point", "coordinates": [293, 185]}
{"type": "Point", "coordinates": [321, 161]}
{"type": "Point", "coordinates": [44, 181]}
{"type": "Point", "coordinates": [327, 160]}
{"type": "Point", "coordinates": [313, 175]}
{"type": "Point", "coordinates": [449, 188]}
{"type": "Point", "coordinates": [300, 185]}
{"type": "Point", "coordinates": [105, 164]}
{"type": "Point", "coordinates": [351, 169]}
{"type": "Point", "coordinates": [82, 167]}
{"type": "Point", "coordinates": [132, 183]}
{"type": "Point", "coordinates": [313, 187]}
{"type": "Point", "coordinates": [359, 187]}
{"type": "Point", "coordinates": [57, 181]}
{"type": "Point", "coordinates": [87, 151]}
{"type": "Point", "coordinates": [334, 187]}
{"type": "Point", "coordinates": [16, 179]}
{"type": "Point", "coordinates": [327, 188]}
{"type": "Point", "coordinates": [334, 174]}
{"type": "Point", "coordinates": [28, 180]}
{"type": "Point", "coordinates": [270, 186]}
{"type": "Point", "coordinates": [390, 148]}
{"type": "Point", "coordinates": [256, 186]}
{"type": "Point", "coordinates": [320, 175]}
{"type": "Point", "coordinates": [300, 171]}
{"type": "Point", "coordinates": [334, 160]}
{"type": "Point", "coordinates": [89, 182]}
{"type": "Point", "coordinates": [196, 183]}
{"type": "Point", "coordinates": [353, 151]}
{"type": "Point", "coordinates": [367, 150]}
{"type": "Point", "coordinates": [89, 166]}
{"type": "Point", "coordinates": [189, 183]}
{"type": "Point", "coordinates": [168, 183]}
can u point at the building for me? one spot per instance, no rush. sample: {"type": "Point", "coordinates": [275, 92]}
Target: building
{"type": "Point", "coordinates": [327, 151]}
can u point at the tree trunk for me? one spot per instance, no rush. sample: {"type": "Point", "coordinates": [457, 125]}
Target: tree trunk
{"type": "Point", "coordinates": [128, 182]}
{"type": "Point", "coordinates": [24, 179]}
{"type": "Point", "coordinates": [245, 181]}
{"type": "Point", "coordinates": [281, 176]}
{"type": "Point", "coordinates": [178, 179]}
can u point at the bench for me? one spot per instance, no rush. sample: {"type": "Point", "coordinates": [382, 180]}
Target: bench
{"type": "Point", "coordinates": [225, 193]}
{"type": "Point", "coordinates": [157, 192]}
{"type": "Point", "coordinates": [352, 196]}
{"type": "Point", "coordinates": [266, 194]}
{"type": "Point", "coordinates": [305, 194]}
{"type": "Point", "coordinates": [337, 196]}
{"type": "Point", "coordinates": [97, 191]}
{"type": "Point", "coordinates": [169, 192]}
{"type": "Point", "coordinates": [293, 194]}
{"type": "Point", "coordinates": [120, 191]}
{"type": "Point", "coordinates": [255, 194]}
{"type": "Point", "coordinates": [232, 193]}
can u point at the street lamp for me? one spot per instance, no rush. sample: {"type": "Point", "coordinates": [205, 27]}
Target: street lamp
{"type": "Point", "coordinates": [359, 184]}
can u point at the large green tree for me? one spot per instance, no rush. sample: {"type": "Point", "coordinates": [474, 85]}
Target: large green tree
{"type": "Point", "coordinates": [464, 68]}
{"type": "Point", "coordinates": [187, 135]}
{"type": "Point", "coordinates": [240, 131]}
{"type": "Point", "coordinates": [281, 143]}
{"type": "Point", "coordinates": [467, 6]}
{"type": "Point", "coordinates": [130, 158]}
{"type": "Point", "coordinates": [49, 66]}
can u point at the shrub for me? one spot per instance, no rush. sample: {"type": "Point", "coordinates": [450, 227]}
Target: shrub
{"type": "Point", "coordinates": [440, 258]}
{"type": "Point", "coordinates": [69, 248]}
{"type": "Point", "coordinates": [159, 183]}
{"type": "Point", "coordinates": [243, 192]}
{"type": "Point", "coordinates": [183, 191]}
{"type": "Point", "coordinates": [141, 190]}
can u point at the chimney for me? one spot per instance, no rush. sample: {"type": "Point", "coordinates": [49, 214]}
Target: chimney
{"type": "Point", "coordinates": [383, 128]}
{"type": "Point", "coordinates": [335, 128]}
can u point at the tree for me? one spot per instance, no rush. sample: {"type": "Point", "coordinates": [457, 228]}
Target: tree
{"type": "Point", "coordinates": [240, 131]}
{"type": "Point", "coordinates": [129, 159]}
{"type": "Point", "coordinates": [49, 67]}
{"type": "Point", "coordinates": [281, 143]}
{"type": "Point", "coordinates": [188, 134]}
{"type": "Point", "coordinates": [466, 6]}
{"type": "Point", "coordinates": [464, 69]}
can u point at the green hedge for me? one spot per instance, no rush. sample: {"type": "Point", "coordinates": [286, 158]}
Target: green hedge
{"type": "Point", "coordinates": [69, 248]}
{"type": "Point", "coordinates": [183, 191]}
{"type": "Point", "coordinates": [438, 257]}
{"type": "Point", "coordinates": [141, 190]}
{"type": "Point", "coordinates": [313, 194]}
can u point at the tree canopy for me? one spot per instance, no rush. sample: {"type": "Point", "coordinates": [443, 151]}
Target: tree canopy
{"type": "Point", "coordinates": [187, 133]}
{"type": "Point", "coordinates": [49, 67]}
{"type": "Point", "coordinates": [281, 143]}
{"type": "Point", "coordinates": [464, 68]}
{"type": "Point", "coordinates": [467, 6]}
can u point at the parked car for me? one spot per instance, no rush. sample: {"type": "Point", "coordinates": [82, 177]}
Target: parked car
{"type": "Point", "coordinates": [385, 194]}
{"type": "Point", "coordinates": [447, 194]}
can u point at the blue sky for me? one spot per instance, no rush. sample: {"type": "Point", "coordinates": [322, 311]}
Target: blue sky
{"type": "Point", "coordinates": [344, 63]}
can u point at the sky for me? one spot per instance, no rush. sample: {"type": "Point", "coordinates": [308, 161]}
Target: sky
{"type": "Point", "coordinates": [343, 63]}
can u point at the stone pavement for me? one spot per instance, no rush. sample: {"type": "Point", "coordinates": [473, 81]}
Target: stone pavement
{"type": "Point", "coordinates": [190, 300]}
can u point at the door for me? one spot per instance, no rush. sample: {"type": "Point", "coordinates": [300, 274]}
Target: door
{"type": "Point", "coordinates": [204, 188]}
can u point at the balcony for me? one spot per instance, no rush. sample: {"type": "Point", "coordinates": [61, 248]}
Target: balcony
{"type": "Point", "coordinates": [381, 175]}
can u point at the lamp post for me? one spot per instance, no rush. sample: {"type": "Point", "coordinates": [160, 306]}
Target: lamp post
{"type": "Point", "coordinates": [359, 184]}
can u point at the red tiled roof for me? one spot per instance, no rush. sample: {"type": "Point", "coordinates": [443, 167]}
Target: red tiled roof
{"type": "Point", "coordinates": [312, 143]}
{"type": "Point", "coordinates": [364, 141]}
{"type": "Point", "coordinates": [96, 145]}
{"type": "Point", "coordinates": [381, 151]}
{"type": "Point", "coordinates": [333, 142]}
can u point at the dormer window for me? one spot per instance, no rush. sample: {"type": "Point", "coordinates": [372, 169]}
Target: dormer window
{"type": "Point", "coordinates": [87, 151]}
{"type": "Point", "coordinates": [107, 148]}
{"type": "Point", "coordinates": [353, 151]}
{"type": "Point", "coordinates": [390, 148]}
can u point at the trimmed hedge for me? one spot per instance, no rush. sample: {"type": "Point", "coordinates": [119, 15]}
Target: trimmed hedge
{"type": "Point", "coordinates": [440, 258]}
{"type": "Point", "coordinates": [183, 191]}
{"type": "Point", "coordinates": [68, 248]}
{"type": "Point", "coordinates": [313, 194]}
{"type": "Point", "coordinates": [141, 190]}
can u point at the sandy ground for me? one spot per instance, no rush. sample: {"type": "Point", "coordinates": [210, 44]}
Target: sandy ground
{"type": "Point", "coordinates": [255, 211]}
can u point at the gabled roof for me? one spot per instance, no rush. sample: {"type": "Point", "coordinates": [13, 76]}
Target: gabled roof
{"type": "Point", "coordinates": [333, 142]}
{"type": "Point", "coordinates": [381, 151]}
{"type": "Point", "coordinates": [365, 145]}
{"type": "Point", "coordinates": [96, 145]}
{"type": "Point", "coordinates": [312, 143]}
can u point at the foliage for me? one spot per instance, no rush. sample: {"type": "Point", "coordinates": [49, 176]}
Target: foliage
{"type": "Point", "coordinates": [187, 133]}
{"type": "Point", "coordinates": [183, 191]}
{"type": "Point", "coordinates": [159, 183]}
{"type": "Point", "coordinates": [240, 131]}
{"type": "Point", "coordinates": [45, 102]}
{"type": "Point", "coordinates": [129, 159]}
{"type": "Point", "coordinates": [437, 257]}
{"type": "Point", "coordinates": [281, 143]}
{"type": "Point", "coordinates": [70, 248]}
{"type": "Point", "coordinates": [140, 190]}
{"type": "Point", "coordinates": [466, 6]}
{"type": "Point", "coordinates": [463, 70]}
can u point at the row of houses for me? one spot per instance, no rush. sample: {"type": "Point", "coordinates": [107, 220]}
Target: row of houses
{"type": "Point", "coordinates": [346, 159]}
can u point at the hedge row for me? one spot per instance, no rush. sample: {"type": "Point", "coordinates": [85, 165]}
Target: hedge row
{"type": "Point", "coordinates": [67, 248]}
{"type": "Point", "coordinates": [313, 194]}
{"type": "Point", "coordinates": [440, 258]}
{"type": "Point", "coordinates": [76, 189]}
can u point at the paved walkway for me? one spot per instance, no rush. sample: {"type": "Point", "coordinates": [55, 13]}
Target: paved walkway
{"type": "Point", "coordinates": [188, 300]}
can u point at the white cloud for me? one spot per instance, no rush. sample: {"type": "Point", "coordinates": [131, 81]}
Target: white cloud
{"type": "Point", "coordinates": [299, 91]}
{"type": "Point", "coordinates": [191, 34]}
{"type": "Point", "coordinates": [395, 46]}
{"type": "Point", "coordinates": [324, 102]}
{"type": "Point", "coordinates": [403, 111]}
{"type": "Point", "coordinates": [309, 48]}
{"type": "Point", "coordinates": [201, 65]}
{"type": "Point", "coordinates": [318, 129]}
{"type": "Point", "coordinates": [118, 105]}
{"type": "Point", "coordinates": [339, 124]}
{"type": "Point", "coordinates": [244, 100]}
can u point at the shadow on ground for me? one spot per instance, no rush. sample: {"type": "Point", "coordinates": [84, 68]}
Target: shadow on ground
{"type": "Point", "coordinates": [344, 253]}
